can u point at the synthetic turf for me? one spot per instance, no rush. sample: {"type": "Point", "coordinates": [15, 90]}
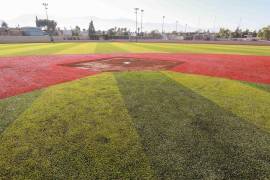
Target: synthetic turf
{"type": "Point", "coordinates": [125, 47]}
{"type": "Point", "coordinates": [245, 101]}
{"type": "Point", "coordinates": [187, 136]}
{"type": "Point", "coordinates": [54, 139]}
{"type": "Point", "coordinates": [12, 107]}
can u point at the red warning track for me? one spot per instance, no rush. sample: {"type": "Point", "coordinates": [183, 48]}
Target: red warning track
{"type": "Point", "coordinates": [23, 74]}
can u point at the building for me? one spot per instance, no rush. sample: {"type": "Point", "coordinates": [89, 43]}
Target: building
{"type": "Point", "coordinates": [11, 32]}
{"type": "Point", "coordinates": [33, 31]}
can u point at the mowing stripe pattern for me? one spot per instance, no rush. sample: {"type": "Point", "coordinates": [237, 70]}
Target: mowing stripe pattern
{"type": "Point", "coordinates": [105, 48]}
{"type": "Point", "coordinates": [187, 136]}
{"type": "Point", "coordinates": [245, 101]}
{"type": "Point", "coordinates": [79, 130]}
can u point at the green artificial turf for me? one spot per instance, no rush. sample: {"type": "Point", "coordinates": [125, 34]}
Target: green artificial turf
{"type": "Point", "coordinates": [265, 87]}
{"type": "Point", "coordinates": [137, 125]}
{"type": "Point", "coordinates": [128, 47]}
{"type": "Point", "coordinates": [12, 107]}
{"type": "Point", "coordinates": [187, 136]}
{"type": "Point", "coordinates": [245, 101]}
{"type": "Point", "coordinates": [79, 130]}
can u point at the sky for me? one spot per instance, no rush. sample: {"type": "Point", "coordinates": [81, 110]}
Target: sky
{"type": "Point", "coordinates": [203, 14]}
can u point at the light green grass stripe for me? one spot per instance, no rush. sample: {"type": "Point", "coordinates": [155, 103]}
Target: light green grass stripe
{"type": "Point", "coordinates": [245, 101]}
{"type": "Point", "coordinates": [49, 50]}
{"type": "Point", "coordinates": [12, 107]}
{"type": "Point", "coordinates": [78, 130]}
{"type": "Point", "coordinates": [153, 47]}
{"type": "Point", "coordinates": [28, 50]}
{"type": "Point", "coordinates": [109, 48]}
{"type": "Point", "coordinates": [17, 50]}
{"type": "Point", "coordinates": [79, 48]}
{"type": "Point", "coordinates": [174, 48]}
{"type": "Point", "coordinates": [15, 46]}
{"type": "Point", "coordinates": [206, 48]}
{"type": "Point", "coordinates": [254, 50]}
{"type": "Point", "coordinates": [135, 48]}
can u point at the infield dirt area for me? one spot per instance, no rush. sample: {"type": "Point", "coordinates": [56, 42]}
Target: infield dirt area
{"type": "Point", "coordinates": [24, 74]}
{"type": "Point", "coordinates": [126, 64]}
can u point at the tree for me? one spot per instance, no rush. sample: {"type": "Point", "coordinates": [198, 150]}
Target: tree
{"type": "Point", "coordinates": [76, 31]}
{"type": "Point", "coordinates": [91, 30]}
{"type": "Point", "coordinates": [264, 33]}
{"type": "Point", "coordinates": [246, 33]}
{"type": "Point", "coordinates": [4, 25]}
{"type": "Point", "coordinates": [224, 33]}
{"type": "Point", "coordinates": [155, 34]}
{"type": "Point", "coordinates": [254, 34]}
{"type": "Point", "coordinates": [237, 33]}
{"type": "Point", "coordinates": [111, 32]}
{"type": "Point", "coordinates": [50, 24]}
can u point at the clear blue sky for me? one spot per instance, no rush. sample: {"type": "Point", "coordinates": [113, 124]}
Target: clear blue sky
{"type": "Point", "coordinates": [196, 13]}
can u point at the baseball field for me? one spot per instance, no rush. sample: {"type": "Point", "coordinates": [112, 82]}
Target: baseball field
{"type": "Point", "coordinates": [134, 111]}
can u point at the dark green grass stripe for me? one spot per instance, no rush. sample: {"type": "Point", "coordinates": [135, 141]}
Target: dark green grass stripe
{"type": "Point", "coordinates": [11, 108]}
{"type": "Point", "coordinates": [265, 87]}
{"type": "Point", "coordinates": [186, 136]}
{"type": "Point", "coordinates": [108, 48]}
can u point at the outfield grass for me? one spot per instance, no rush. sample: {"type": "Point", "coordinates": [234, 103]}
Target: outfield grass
{"type": "Point", "coordinates": [138, 125]}
{"type": "Point", "coordinates": [117, 47]}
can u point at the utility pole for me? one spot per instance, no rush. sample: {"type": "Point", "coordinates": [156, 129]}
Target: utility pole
{"type": "Point", "coordinates": [142, 11]}
{"type": "Point", "coordinates": [163, 24]}
{"type": "Point", "coordinates": [186, 29]}
{"type": "Point", "coordinates": [136, 12]}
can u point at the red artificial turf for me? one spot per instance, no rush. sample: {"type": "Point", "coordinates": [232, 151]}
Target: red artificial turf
{"type": "Point", "coordinates": [23, 74]}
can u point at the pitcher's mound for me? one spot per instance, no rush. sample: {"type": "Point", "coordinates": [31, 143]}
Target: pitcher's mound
{"type": "Point", "coordinates": [125, 64]}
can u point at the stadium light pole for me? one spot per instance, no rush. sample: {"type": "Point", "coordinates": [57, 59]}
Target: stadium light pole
{"type": "Point", "coordinates": [214, 27]}
{"type": "Point", "coordinates": [142, 11]}
{"type": "Point", "coordinates": [163, 20]}
{"type": "Point", "coordinates": [46, 9]}
{"type": "Point", "coordinates": [239, 26]}
{"type": "Point", "coordinates": [136, 12]}
{"type": "Point", "coordinates": [47, 16]}
{"type": "Point", "coordinates": [176, 28]}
